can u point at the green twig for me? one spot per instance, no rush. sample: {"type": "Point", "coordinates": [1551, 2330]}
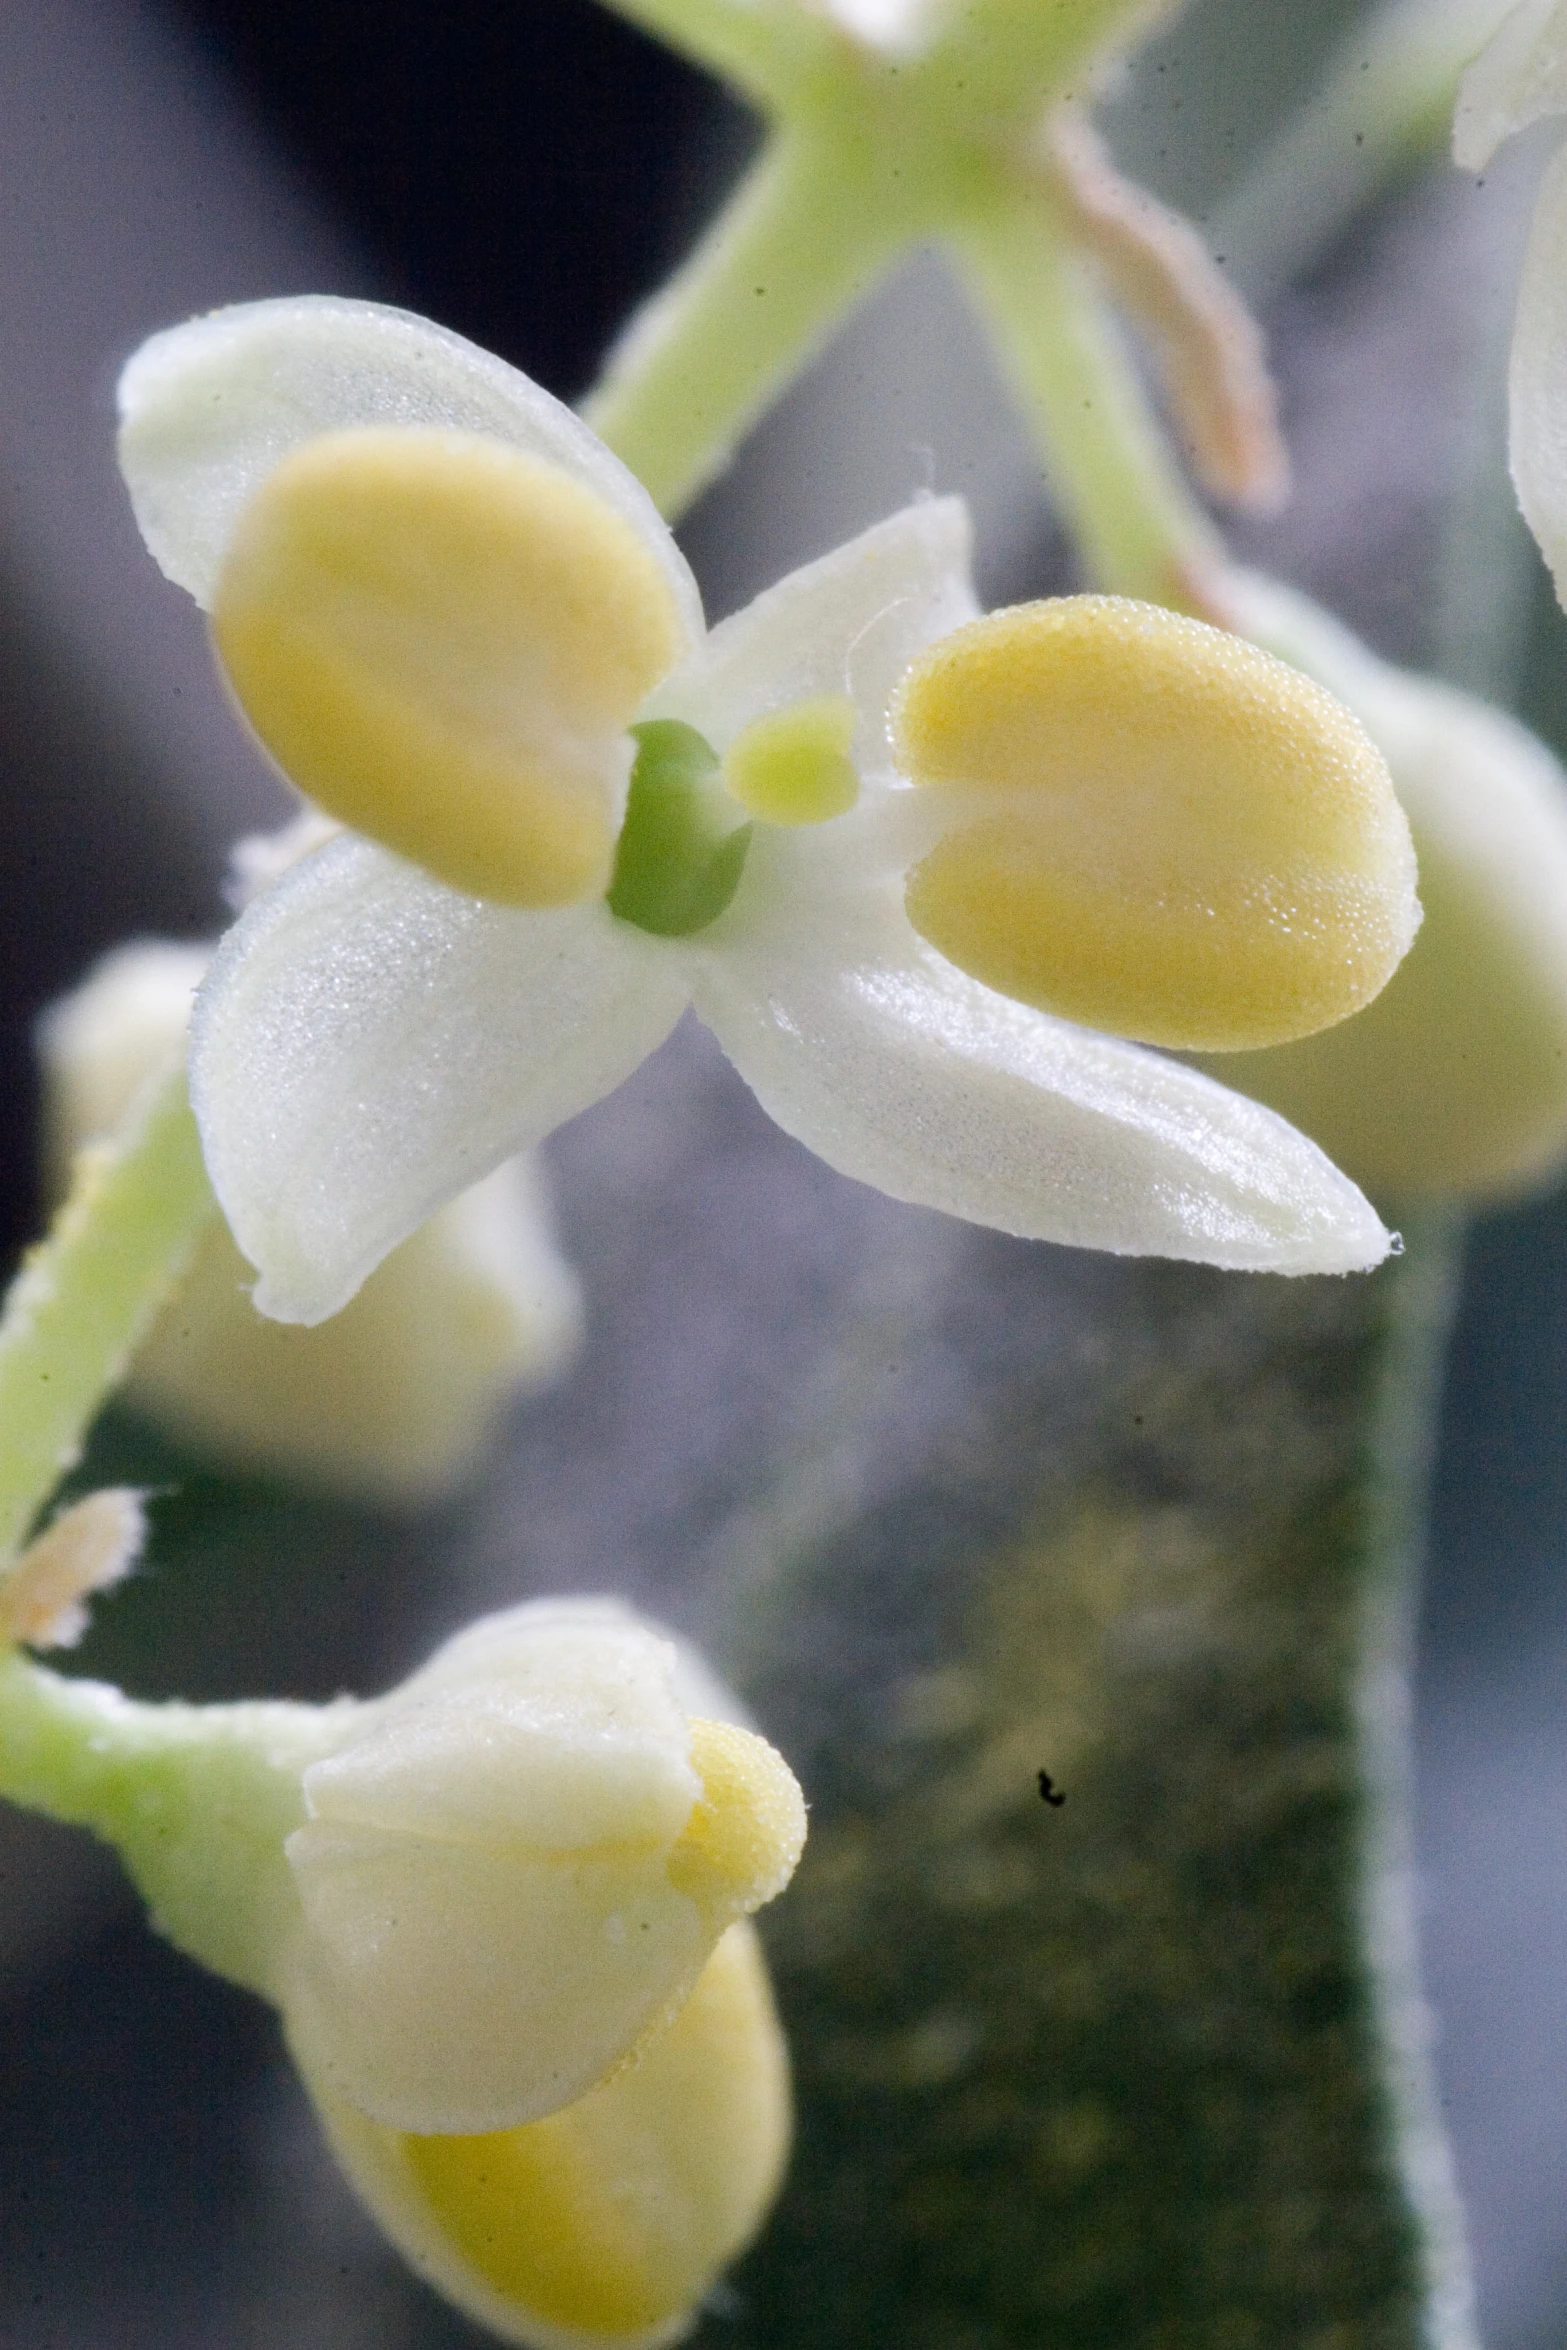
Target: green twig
{"type": "Point", "coordinates": [87, 1294]}
{"type": "Point", "coordinates": [1106, 458]}
{"type": "Point", "coordinates": [800, 242]}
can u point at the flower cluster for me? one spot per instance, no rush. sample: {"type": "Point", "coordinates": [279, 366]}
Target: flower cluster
{"type": "Point", "coordinates": [910, 865]}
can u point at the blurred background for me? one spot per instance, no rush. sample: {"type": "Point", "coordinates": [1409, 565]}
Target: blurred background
{"type": "Point", "coordinates": [523, 170]}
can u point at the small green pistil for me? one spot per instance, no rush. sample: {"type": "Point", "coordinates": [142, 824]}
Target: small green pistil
{"type": "Point", "coordinates": [680, 856]}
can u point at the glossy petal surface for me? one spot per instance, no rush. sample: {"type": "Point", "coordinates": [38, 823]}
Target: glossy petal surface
{"type": "Point", "coordinates": [896, 1068]}
{"type": "Point", "coordinates": [368, 1044]}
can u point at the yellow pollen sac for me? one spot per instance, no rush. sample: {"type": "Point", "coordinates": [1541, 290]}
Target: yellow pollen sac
{"type": "Point", "coordinates": [612, 2217]}
{"type": "Point", "coordinates": [747, 1827]}
{"type": "Point", "coordinates": [792, 766]}
{"type": "Point", "coordinates": [442, 640]}
{"type": "Point", "coordinates": [1156, 828]}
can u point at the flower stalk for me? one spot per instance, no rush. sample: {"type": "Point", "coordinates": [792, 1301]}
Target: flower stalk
{"type": "Point", "coordinates": [87, 1294]}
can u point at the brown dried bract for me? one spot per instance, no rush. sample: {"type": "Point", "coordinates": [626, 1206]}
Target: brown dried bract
{"type": "Point", "coordinates": [87, 1548]}
{"type": "Point", "coordinates": [1208, 347]}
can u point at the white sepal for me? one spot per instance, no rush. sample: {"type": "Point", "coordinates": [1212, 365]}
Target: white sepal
{"type": "Point", "coordinates": [368, 1044]}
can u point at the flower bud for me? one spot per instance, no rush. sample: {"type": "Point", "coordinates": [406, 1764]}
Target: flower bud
{"type": "Point", "coordinates": [394, 1397]}
{"type": "Point", "coordinates": [539, 1780]}
{"type": "Point", "coordinates": [503, 1911]}
{"type": "Point", "coordinates": [608, 2221]}
{"type": "Point", "coordinates": [1455, 1079]}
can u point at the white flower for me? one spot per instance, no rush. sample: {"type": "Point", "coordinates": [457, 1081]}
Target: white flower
{"type": "Point", "coordinates": [395, 1397]}
{"type": "Point", "coordinates": [1518, 79]}
{"type": "Point", "coordinates": [605, 2223]}
{"type": "Point", "coordinates": [372, 1038]}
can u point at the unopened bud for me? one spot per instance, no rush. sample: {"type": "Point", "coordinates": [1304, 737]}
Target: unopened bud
{"type": "Point", "coordinates": [1455, 1080]}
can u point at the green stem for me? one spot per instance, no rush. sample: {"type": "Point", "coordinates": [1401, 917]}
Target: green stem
{"type": "Point", "coordinates": [763, 47]}
{"type": "Point", "coordinates": [87, 1294]}
{"type": "Point", "coordinates": [803, 238]}
{"type": "Point", "coordinates": [196, 1799]}
{"type": "Point", "coordinates": [1108, 463]}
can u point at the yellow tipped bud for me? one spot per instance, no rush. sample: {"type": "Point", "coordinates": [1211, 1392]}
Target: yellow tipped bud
{"type": "Point", "coordinates": [1156, 828]}
{"type": "Point", "coordinates": [792, 766]}
{"type": "Point", "coordinates": [515, 1867]}
{"type": "Point", "coordinates": [608, 2221]}
{"type": "Point", "coordinates": [442, 641]}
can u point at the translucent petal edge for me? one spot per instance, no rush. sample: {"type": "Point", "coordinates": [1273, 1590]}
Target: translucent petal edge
{"type": "Point", "coordinates": [1518, 77]}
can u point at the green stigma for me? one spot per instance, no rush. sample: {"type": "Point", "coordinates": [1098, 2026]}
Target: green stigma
{"type": "Point", "coordinates": [678, 862]}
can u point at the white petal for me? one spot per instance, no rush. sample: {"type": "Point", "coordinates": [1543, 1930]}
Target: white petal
{"type": "Point", "coordinates": [848, 624]}
{"type": "Point", "coordinates": [472, 1987]}
{"type": "Point", "coordinates": [369, 1043]}
{"type": "Point", "coordinates": [898, 1069]}
{"type": "Point", "coordinates": [1520, 76]}
{"type": "Point", "coordinates": [208, 409]}
{"type": "Point", "coordinates": [1538, 385]}
{"type": "Point", "coordinates": [552, 1725]}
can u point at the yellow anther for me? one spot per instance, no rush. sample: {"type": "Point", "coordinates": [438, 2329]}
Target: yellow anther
{"type": "Point", "coordinates": [747, 1827]}
{"type": "Point", "coordinates": [612, 2217]}
{"type": "Point", "coordinates": [442, 640]}
{"type": "Point", "coordinates": [792, 766]}
{"type": "Point", "coordinates": [1156, 829]}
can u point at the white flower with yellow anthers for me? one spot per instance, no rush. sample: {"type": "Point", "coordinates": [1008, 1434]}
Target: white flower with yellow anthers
{"type": "Point", "coordinates": [394, 1398]}
{"type": "Point", "coordinates": [505, 1914]}
{"type": "Point", "coordinates": [1521, 78]}
{"type": "Point", "coordinates": [906, 862]}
